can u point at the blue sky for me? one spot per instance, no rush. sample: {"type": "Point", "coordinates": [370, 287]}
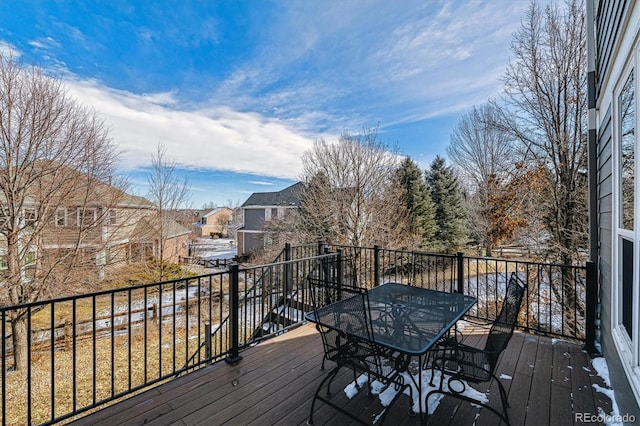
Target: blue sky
{"type": "Point", "coordinates": [238, 90]}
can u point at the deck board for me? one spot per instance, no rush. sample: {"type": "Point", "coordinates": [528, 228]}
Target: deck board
{"type": "Point", "coordinates": [561, 379]}
{"type": "Point", "coordinates": [275, 381]}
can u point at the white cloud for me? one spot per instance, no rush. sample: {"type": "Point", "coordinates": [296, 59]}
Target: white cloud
{"type": "Point", "coordinates": [216, 138]}
{"type": "Point", "coordinates": [7, 49]}
{"type": "Point", "coordinates": [260, 182]}
{"type": "Point", "coordinates": [362, 62]}
{"type": "Point", "coordinates": [45, 43]}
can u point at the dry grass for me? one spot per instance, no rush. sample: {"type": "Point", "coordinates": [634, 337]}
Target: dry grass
{"type": "Point", "coordinates": [113, 363]}
{"type": "Point", "coordinates": [133, 363]}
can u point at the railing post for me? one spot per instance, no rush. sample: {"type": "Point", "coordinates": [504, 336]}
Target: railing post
{"type": "Point", "coordinates": [207, 341]}
{"type": "Point", "coordinates": [339, 272]}
{"type": "Point", "coordinates": [460, 274]}
{"type": "Point", "coordinates": [376, 266]}
{"type": "Point", "coordinates": [339, 267]}
{"type": "Point", "coordinates": [287, 270]}
{"type": "Point", "coordinates": [590, 308]}
{"type": "Point", "coordinates": [234, 310]}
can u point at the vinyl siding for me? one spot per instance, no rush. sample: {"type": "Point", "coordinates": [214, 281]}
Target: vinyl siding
{"type": "Point", "coordinates": [609, 18]}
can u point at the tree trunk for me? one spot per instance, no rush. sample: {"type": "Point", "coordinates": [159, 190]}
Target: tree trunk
{"type": "Point", "coordinates": [19, 339]}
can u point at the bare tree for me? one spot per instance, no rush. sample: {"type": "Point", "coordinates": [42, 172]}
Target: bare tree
{"type": "Point", "coordinates": [56, 165]}
{"type": "Point", "coordinates": [169, 192]}
{"type": "Point", "coordinates": [546, 96]}
{"type": "Point", "coordinates": [353, 195]}
{"type": "Point", "coordinates": [484, 157]}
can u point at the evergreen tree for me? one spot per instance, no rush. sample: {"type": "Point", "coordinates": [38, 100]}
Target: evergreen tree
{"type": "Point", "coordinates": [450, 212]}
{"type": "Point", "coordinates": [417, 200]}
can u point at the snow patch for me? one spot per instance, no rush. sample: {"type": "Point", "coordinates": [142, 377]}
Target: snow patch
{"type": "Point", "coordinates": [602, 370]}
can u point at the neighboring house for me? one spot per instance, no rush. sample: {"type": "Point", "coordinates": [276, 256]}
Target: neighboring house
{"type": "Point", "coordinates": [100, 229]}
{"type": "Point", "coordinates": [614, 77]}
{"type": "Point", "coordinates": [148, 233]}
{"type": "Point", "coordinates": [262, 207]}
{"type": "Point", "coordinates": [214, 222]}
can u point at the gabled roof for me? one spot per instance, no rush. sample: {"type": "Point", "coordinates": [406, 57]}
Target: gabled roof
{"type": "Point", "coordinates": [79, 188]}
{"type": "Point", "coordinates": [149, 228]}
{"type": "Point", "coordinates": [216, 211]}
{"type": "Point", "coordinates": [289, 196]}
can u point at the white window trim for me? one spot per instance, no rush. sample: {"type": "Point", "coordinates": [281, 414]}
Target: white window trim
{"type": "Point", "coordinates": [627, 347]}
{"type": "Point", "coordinates": [61, 213]}
{"type": "Point", "coordinates": [29, 210]}
{"type": "Point", "coordinates": [113, 217]}
{"type": "Point", "coordinates": [81, 216]}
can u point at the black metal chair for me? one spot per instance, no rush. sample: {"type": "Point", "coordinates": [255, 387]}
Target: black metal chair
{"type": "Point", "coordinates": [341, 346]}
{"type": "Point", "coordinates": [458, 362]}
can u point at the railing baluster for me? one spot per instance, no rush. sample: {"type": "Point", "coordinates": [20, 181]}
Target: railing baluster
{"type": "Point", "coordinates": [173, 305]}
{"type": "Point", "coordinates": [93, 346]}
{"type": "Point", "coordinates": [4, 367]}
{"type": "Point", "coordinates": [52, 378]}
{"type": "Point", "coordinates": [113, 348]}
{"type": "Point", "coordinates": [160, 320]}
{"type": "Point", "coordinates": [129, 337]}
{"type": "Point", "coordinates": [186, 320]}
{"type": "Point", "coordinates": [29, 398]}
{"type": "Point", "coordinates": [74, 375]}
{"type": "Point", "coordinates": [145, 333]}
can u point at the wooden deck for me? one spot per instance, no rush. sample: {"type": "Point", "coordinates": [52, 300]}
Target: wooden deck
{"type": "Point", "coordinates": [550, 381]}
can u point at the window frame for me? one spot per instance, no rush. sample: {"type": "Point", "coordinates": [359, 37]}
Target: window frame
{"type": "Point", "coordinates": [112, 216]}
{"type": "Point", "coordinates": [81, 216]}
{"type": "Point", "coordinates": [64, 217]}
{"type": "Point", "coordinates": [628, 346]}
{"type": "Point", "coordinates": [29, 216]}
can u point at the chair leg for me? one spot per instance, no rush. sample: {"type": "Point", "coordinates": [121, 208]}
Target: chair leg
{"type": "Point", "coordinates": [328, 378]}
{"type": "Point", "coordinates": [503, 398]}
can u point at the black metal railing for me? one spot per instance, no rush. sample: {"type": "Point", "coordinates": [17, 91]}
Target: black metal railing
{"type": "Point", "coordinates": [556, 297]}
{"type": "Point", "coordinates": [85, 351]}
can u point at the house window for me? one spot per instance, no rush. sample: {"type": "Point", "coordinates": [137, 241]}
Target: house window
{"type": "Point", "coordinates": [274, 213]}
{"type": "Point", "coordinates": [113, 216]}
{"type": "Point", "coordinates": [30, 264]}
{"type": "Point", "coordinates": [29, 216]}
{"type": "Point", "coordinates": [86, 216]}
{"type": "Point", "coordinates": [626, 278]}
{"type": "Point", "coordinates": [627, 104]}
{"type": "Point", "coordinates": [626, 200]}
{"type": "Point", "coordinates": [61, 216]}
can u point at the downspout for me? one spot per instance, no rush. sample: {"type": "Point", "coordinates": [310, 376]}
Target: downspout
{"type": "Point", "coordinates": [593, 299]}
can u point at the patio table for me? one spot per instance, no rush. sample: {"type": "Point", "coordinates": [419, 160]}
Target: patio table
{"type": "Point", "coordinates": [407, 320]}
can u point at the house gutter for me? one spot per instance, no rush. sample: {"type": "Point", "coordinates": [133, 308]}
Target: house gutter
{"type": "Point", "coordinates": [592, 137]}
{"type": "Point", "coordinates": [592, 302]}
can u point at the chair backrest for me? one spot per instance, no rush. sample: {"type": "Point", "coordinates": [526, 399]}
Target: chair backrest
{"type": "Point", "coordinates": [353, 318]}
{"type": "Point", "coordinates": [502, 328]}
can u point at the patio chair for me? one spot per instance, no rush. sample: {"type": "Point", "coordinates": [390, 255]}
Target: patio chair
{"type": "Point", "coordinates": [460, 363]}
{"type": "Point", "coordinates": [359, 354]}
